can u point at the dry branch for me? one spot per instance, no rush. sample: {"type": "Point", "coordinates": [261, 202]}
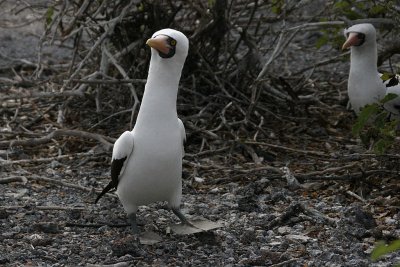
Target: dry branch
{"type": "Point", "coordinates": [60, 183]}
{"type": "Point", "coordinates": [43, 160]}
{"type": "Point", "coordinates": [42, 95]}
{"type": "Point", "coordinates": [104, 140]}
{"type": "Point", "coordinates": [95, 81]}
{"type": "Point", "coordinates": [306, 152]}
{"type": "Point", "coordinates": [13, 179]}
{"type": "Point", "coordinates": [110, 29]}
{"type": "Point", "coordinates": [49, 208]}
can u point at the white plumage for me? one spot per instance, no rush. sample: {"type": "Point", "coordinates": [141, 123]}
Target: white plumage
{"type": "Point", "coordinates": [147, 161]}
{"type": "Point", "coordinates": [365, 85]}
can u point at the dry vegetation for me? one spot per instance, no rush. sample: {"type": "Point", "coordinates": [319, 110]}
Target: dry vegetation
{"type": "Point", "coordinates": [262, 96]}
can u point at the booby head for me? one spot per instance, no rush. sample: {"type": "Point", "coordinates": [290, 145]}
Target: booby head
{"type": "Point", "coordinates": [360, 35]}
{"type": "Point", "coordinates": [169, 44]}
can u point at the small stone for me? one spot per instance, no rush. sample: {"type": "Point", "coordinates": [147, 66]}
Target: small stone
{"type": "Point", "coordinates": [247, 237]}
{"type": "Point", "coordinates": [284, 230]}
{"type": "Point", "coordinates": [300, 238]}
{"type": "Point", "coordinates": [47, 227]}
{"type": "Point", "coordinates": [198, 180]}
{"type": "Point", "coordinates": [127, 245]}
{"type": "Point", "coordinates": [43, 242]}
{"type": "Point", "coordinates": [4, 214]}
{"type": "Point", "coordinates": [248, 204]}
{"type": "Point", "coordinates": [390, 221]}
{"type": "Point", "coordinates": [103, 229]}
{"type": "Point", "coordinates": [215, 190]}
{"type": "Point", "coordinates": [4, 260]}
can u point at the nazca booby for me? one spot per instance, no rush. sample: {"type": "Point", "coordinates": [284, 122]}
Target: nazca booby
{"type": "Point", "coordinates": [365, 85]}
{"type": "Point", "coordinates": [147, 161]}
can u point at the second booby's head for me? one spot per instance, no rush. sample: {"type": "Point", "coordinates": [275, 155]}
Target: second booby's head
{"type": "Point", "coordinates": [169, 44]}
{"type": "Point", "coordinates": [360, 35]}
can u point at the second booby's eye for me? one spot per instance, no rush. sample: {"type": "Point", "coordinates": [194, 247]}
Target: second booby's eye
{"type": "Point", "coordinates": [164, 44]}
{"type": "Point", "coordinates": [172, 46]}
{"type": "Point", "coordinates": [361, 38]}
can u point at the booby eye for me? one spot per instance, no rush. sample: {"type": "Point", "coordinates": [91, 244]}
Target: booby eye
{"type": "Point", "coordinates": [360, 37]}
{"type": "Point", "coordinates": [172, 43]}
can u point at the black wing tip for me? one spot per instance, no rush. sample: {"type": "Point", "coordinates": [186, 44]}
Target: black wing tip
{"type": "Point", "coordinates": [116, 166]}
{"type": "Point", "coordinates": [105, 190]}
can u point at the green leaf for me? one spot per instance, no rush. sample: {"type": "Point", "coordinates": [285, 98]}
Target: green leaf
{"type": "Point", "coordinates": [382, 249]}
{"type": "Point", "coordinates": [376, 10]}
{"type": "Point", "coordinates": [49, 15]}
{"type": "Point", "coordinates": [388, 97]}
{"type": "Point", "coordinates": [341, 5]}
{"type": "Point", "coordinates": [386, 76]}
{"type": "Point", "coordinates": [366, 113]}
{"type": "Point", "coordinates": [381, 145]}
{"type": "Point", "coordinates": [381, 119]}
{"type": "Point", "coordinates": [323, 40]}
{"type": "Point", "coordinates": [277, 6]}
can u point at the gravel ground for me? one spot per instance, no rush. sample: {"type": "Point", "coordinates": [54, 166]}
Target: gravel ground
{"type": "Point", "coordinates": [264, 224]}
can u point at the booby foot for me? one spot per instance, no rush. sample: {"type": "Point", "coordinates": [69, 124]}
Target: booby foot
{"type": "Point", "coordinates": [132, 220]}
{"type": "Point", "coordinates": [195, 226]}
{"type": "Point", "coordinates": [182, 217]}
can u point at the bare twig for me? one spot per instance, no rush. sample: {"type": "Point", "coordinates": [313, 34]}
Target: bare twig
{"type": "Point", "coordinates": [307, 152]}
{"type": "Point", "coordinates": [12, 179]}
{"type": "Point", "coordinates": [29, 94]}
{"type": "Point", "coordinates": [105, 141]}
{"type": "Point", "coordinates": [350, 193]}
{"type": "Point", "coordinates": [43, 160]}
{"type": "Point", "coordinates": [105, 35]}
{"type": "Point", "coordinates": [32, 207]}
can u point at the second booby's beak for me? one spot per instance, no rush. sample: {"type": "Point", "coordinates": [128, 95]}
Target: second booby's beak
{"type": "Point", "coordinates": [159, 43]}
{"type": "Point", "coordinates": [353, 39]}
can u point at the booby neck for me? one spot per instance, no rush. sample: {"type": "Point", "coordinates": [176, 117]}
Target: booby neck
{"type": "Point", "coordinates": [160, 94]}
{"type": "Point", "coordinates": [364, 59]}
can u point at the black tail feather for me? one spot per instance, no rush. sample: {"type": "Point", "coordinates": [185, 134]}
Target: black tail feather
{"type": "Point", "coordinates": [105, 190]}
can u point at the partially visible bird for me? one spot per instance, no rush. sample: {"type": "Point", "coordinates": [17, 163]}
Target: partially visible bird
{"type": "Point", "coordinates": [147, 161]}
{"type": "Point", "coordinates": [365, 85]}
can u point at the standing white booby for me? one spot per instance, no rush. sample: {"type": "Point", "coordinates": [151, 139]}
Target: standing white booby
{"type": "Point", "coordinates": [365, 85]}
{"type": "Point", "coordinates": [147, 161]}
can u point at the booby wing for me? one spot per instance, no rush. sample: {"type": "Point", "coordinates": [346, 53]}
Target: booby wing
{"type": "Point", "coordinates": [122, 150]}
{"type": "Point", "coordinates": [393, 86]}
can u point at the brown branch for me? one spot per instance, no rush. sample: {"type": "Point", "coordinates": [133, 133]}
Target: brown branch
{"type": "Point", "coordinates": [104, 140]}
{"type": "Point", "coordinates": [13, 179]}
{"type": "Point", "coordinates": [74, 93]}
{"type": "Point", "coordinates": [30, 207]}
{"type": "Point", "coordinates": [388, 51]}
{"type": "Point", "coordinates": [294, 210]}
{"type": "Point", "coordinates": [112, 24]}
{"type": "Point", "coordinates": [307, 152]}
{"type": "Point", "coordinates": [60, 183]}
{"type": "Point", "coordinates": [42, 160]}
{"type": "Point", "coordinates": [116, 81]}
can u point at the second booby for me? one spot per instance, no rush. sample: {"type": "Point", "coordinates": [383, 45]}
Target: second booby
{"type": "Point", "coordinates": [365, 85]}
{"type": "Point", "coordinates": [147, 161]}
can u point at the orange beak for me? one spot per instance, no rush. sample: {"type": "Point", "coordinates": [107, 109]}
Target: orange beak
{"type": "Point", "coordinates": [351, 40]}
{"type": "Point", "coordinates": [159, 43]}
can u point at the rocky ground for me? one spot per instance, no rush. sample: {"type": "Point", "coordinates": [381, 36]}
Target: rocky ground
{"type": "Point", "coordinates": [312, 196]}
{"type": "Point", "coordinates": [50, 219]}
